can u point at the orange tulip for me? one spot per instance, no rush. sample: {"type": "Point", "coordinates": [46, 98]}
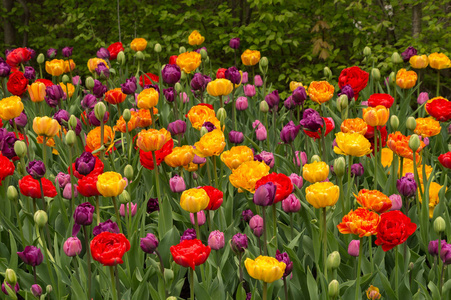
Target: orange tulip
{"type": "Point", "coordinates": [376, 116]}
{"type": "Point", "coordinates": [361, 222]}
{"type": "Point", "coordinates": [373, 200]}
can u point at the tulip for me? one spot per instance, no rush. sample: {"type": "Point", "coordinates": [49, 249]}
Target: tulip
{"type": "Point", "coordinates": [149, 243]}
{"type": "Point", "coordinates": [396, 202]}
{"type": "Point", "coordinates": [247, 215]}
{"type": "Point", "coordinates": [406, 185]}
{"type": "Point", "coordinates": [289, 132]}
{"type": "Point", "coordinates": [419, 61]}
{"type": "Point", "coordinates": [216, 240]}
{"type": "Point", "coordinates": [177, 127]}
{"type": "Point", "coordinates": [31, 256]}
{"type": "Point", "coordinates": [54, 94]}
{"type": "Point", "coordinates": [250, 57]}
{"type": "Point", "coordinates": [439, 61]}
{"type": "Point", "coordinates": [220, 87]}
{"type": "Point", "coordinates": [195, 38]}
{"type": "Point", "coordinates": [234, 43]}
{"type": "Point", "coordinates": [110, 184]}
{"type": "Point", "coordinates": [445, 254]}
{"type": "Point", "coordinates": [267, 269]}
{"type": "Point", "coordinates": [266, 157]}
{"type": "Point", "coordinates": [261, 132]}
{"type": "Point", "coordinates": [72, 247]}
{"type": "Point", "coordinates": [103, 53]}
{"type": "Point", "coordinates": [45, 126]}
{"type": "Point", "coordinates": [357, 170]}
{"type": "Point", "coordinates": [322, 194]}
{"type": "Point", "coordinates": [256, 225]}
{"type": "Point", "coordinates": [189, 234]}
{"type": "Point", "coordinates": [311, 120]}
{"type": "Point", "coordinates": [408, 53]}
{"type": "Point", "coordinates": [236, 137]}
{"type": "Point", "coordinates": [303, 158]}
{"type": "Point", "coordinates": [299, 95]}
{"type": "Point", "coordinates": [177, 184]}
{"type": "Point", "coordinates": [353, 248]}
{"type": "Point", "coordinates": [433, 247]}
{"type": "Point", "coordinates": [239, 243]}
{"type": "Point", "coordinates": [107, 226]}
{"type": "Point", "coordinates": [171, 74]}
{"type": "Point", "coordinates": [194, 200]}
{"type": "Point", "coordinates": [258, 81]}
{"type": "Point", "coordinates": [152, 139]}
{"type": "Point", "coordinates": [241, 103]}
{"type": "Point", "coordinates": [5, 70]}
{"type": "Point", "coordinates": [265, 194]}
{"type": "Point", "coordinates": [16, 288]}
{"type": "Point", "coordinates": [201, 218]}
{"type": "Point", "coordinates": [272, 99]}
{"type": "Point", "coordinates": [85, 163]}
{"type": "Point", "coordinates": [36, 169]}
{"type": "Point", "coordinates": [148, 98]}
{"type": "Point", "coordinates": [199, 82]}
{"type": "Point", "coordinates": [37, 91]}
{"type": "Point", "coordinates": [291, 204]}
{"type": "Point", "coordinates": [29, 73]}
{"type": "Point", "coordinates": [124, 213]}
{"type": "Point", "coordinates": [11, 107]}
{"type": "Point", "coordinates": [103, 71]}
{"type": "Point", "coordinates": [296, 180]}
{"type": "Point", "coordinates": [36, 290]}
{"type": "Point", "coordinates": [376, 116]}
{"type": "Point", "coordinates": [315, 172]}
{"type": "Point", "coordinates": [189, 61]}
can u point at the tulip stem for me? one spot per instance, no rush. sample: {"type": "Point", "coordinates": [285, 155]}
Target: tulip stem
{"type": "Point", "coordinates": [162, 271]}
{"type": "Point", "coordinates": [88, 257]}
{"type": "Point", "coordinates": [45, 209]}
{"type": "Point", "coordinates": [98, 210]}
{"type": "Point", "coordinates": [265, 242]}
{"type": "Point", "coordinates": [357, 285]}
{"type": "Point", "coordinates": [102, 135]}
{"type": "Point", "coordinates": [291, 226]}
{"type": "Point", "coordinates": [396, 272]}
{"type": "Point", "coordinates": [44, 156]}
{"type": "Point", "coordinates": [35, 275]}
{"type": "Point", "coordinates": [266, 124]}
{"type": "Point", "coordinates": [417, 179]}
{"type": "Point", "coordinates": [47, 258]}
{"type": "Point", "coordinates": [265, 291]}
{"type": "Point", "coordinates": [196, 225]}
{"type": "Point", "coordinates": [285, 287]}
{"type": "Point", "coordinates": [71, 170]}
{"type": "Point", "coordinates": [274, 121]}
{"type": "Point", "coordinates": [375, 158]}
{"type": "Point", "coordinates": [240, 256]}
{"type": "Point", "coordinates": [441, 278]}
{"type": "Point", "coordinates": [113, 282]}
{"type": "Point", "coordinates": [274, 221]}
{"type": "Point", "coordinates": [349, 177]}
{"type": "Point", "coordinates": [324, 241]}
{"type": "Point", "coordinates": [19, 221]}
{"type": "Point", "coordinates": [118, 218]}
{"type": "Point", "coordinates": [234, 108]}
{"type": "Point", "coordinates": [220, 101]}
{"type": "Point", "coordinates": [438, 83]}
{"type": "Point", "coordinates": [208, 172]}
{"type": "Point", "coordinates": [340, 184]}
{"type": "Point", "coordinates": [370, 246]}
{"type": "Point", "coordinates": [157, 179]}
{"type": "Point", "coordinates": [191, 276]}
{"type": "Point", "coordinates": [215, 172]}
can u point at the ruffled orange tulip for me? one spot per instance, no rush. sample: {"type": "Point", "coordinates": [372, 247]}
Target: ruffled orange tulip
{"type": "Point", "coordinates": [373, 200]}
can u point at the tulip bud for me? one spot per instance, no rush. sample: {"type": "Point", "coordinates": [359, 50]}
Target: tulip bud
{"type": "Point", "coordinates": [264, 61]}
{"type": "Point", "coordinates": [126, 115]}
{"type": "Point", "coordinates": [72, 122]}
{"type": "Point", "coordinates": [89, 82]}
{"type": "Point", "coordinates": [354, 248]}
{"type": "Point", "coordinates": [411, 265]}
{"type": "Point", "coordinates": [128, 172]}
{"type": "Point", "coordinates": [41, 58]}
{"type": "Point", "coordinates": [414, 142]}
{"type": "Point", "coordinates": [70, 138]}
{"type": "Point", "coordinates": [396, 58]}
{"type": "Point", "coordinates": [182, 50]}
{"type": "Point", "coordinates": [99, 110]}
{"type": "Point", "coordinates": [315, 158]}
{"type": "Point", "coordinates": [121, 58]}
{"type": "Point", "coordinates": [411, 124]}
{"type": "Point", "coordinates": [264, 107]}
{"type": "Point", "coordinates": [65, 79]}
{"type": "Point", "coordinates": [178, 87]}
{"type": "Point", "coordinates": [36, 290]}
{"type": "Point", "coordinates": [222, 115]}
{"type": "Point", "coordinates": [139, 55]}
{"type": "Point", "coordinates": [334, 289]}
{"type": "Point", "coordinates": [124, 197]}
{"type": "Point", "coordinates": [394, 122]}
{"type": "Point", "coordinates": [203, 131]}
{"type": "Point", "coordinates": [391, 78]}
{"type": "Point", "coordinates": [48, 289]}
{"type": "Point", "coordinates": [203, 54]}
{"type": "Point", "coordinates": [439, 225]}
{"type": "Point", "coordinates": [20, 148]}
{"type": "Point", "coordinates": [157, 48]}
{"type": "Point", "coordinates": [11, 277]}
{"type": "Point", "coordinates": [12, 193]}
{"type": "Point", "coordinates": [171, 298]}
{"type": "Point", "coordinates": [367, 51]}
{"type": "Point", "coordinates": [40, 218]}
{"type": "Point", "coordinates": [339, 166]}
{"type": "Point", "coordinates": [207, 60]}
{"type": "Point", "coordinates": [333, 260]}
{"type": "Point", "coordinates": [342, 102]}
{"type": "Point", "coordinates": [168, 277]}
{"type": "Point", "coordinates": [113, 71]}
{"type": "Point", "coordinates": [376, 74]}
{"type": "Point", "coordinates": [327, 73]}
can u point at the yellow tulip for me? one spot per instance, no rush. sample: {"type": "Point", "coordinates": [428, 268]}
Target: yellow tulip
{"type": "Point", "coordinates": [93, 62]}
{"type": "Point", "coordinates": [152, 139]}
{"type": "Point", "coordinates": [55, 67]}
{"type": "Point", "coordinates": [387, 157]}
{"type": "Point", "coordinates": [37, 91]}
{"type": "Point", "coordinates": [180, 156]}
{"type": "Point", "coordinates": [320, 91]}
{"type": "Point", "coordinates": [315, 172]}
{"type": "Point", "coordinates": [219, 87]}
{"type": "Point", "coordinates": [434, 189]}
{"type": "Point", "coordinates": [265, 268]}
{"type": "Point", "coordinates": [110, 184]}
{"type": "Point", "coordinates": [10, 108]}
{"type": "Point", "coordinates": [148, 98]}
{"type": "Point", "coordinates": [237, 155]}
{"type": "Point", "coordinates": [250, 57]}
{"type": "Point", "coordinates": [322, 194]}
{"type": "Point", "coordinates": [210, 144]}
{"type": "Point", "coordinates": [138, 44]}
{"type": "Point", "coordinates": [406, 79]}
{"type": "Point", "coordinates": [353, 144]}
{"type": "Point", "coordinates": [200, 114]}
{"type": "Point", "coordinates": [189, 61]}
{"type": "Point", "coordinates": [45, 126]}
{"type": "Point", "coordinates": [247, 174]}
{"type": "Point", "coordinates": [194, 200]}
{"type": "Point", "coordinates": [68, 65]}
{"type": "Point", "coordinates": [439, 61]}
{"type": "Point", "coordinates": [376, 116]}
{"type": "Point", "coordinates": [69, 87]}
{"type": "Point", "coordinates": [295, 84]}
{"type": "Point", "coordinates": [408, 168]}
{"type": "Point", "coordinates": [419, 61]}
{"type": "Point", "coordinates": [356, 125]}
{"type": "Point", "coordinates": [195, 38]}
{"type": "Point", "coordinates": [427, 127]}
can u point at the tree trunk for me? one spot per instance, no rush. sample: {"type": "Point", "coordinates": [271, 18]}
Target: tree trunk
{"type": "Point", "coordinates": [416, 20]}
{"type": "Point", "coordinates": [10, 35]}
{"type": "Point", "coordinates": [26, 19]}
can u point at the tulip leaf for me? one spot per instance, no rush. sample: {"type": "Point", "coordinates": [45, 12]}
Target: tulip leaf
{"type": "Point", "coordinates": [14, 257]}
{"type": "Point", "coordinates": [312, 285]}
{"type": "Point", "coordinates": [386, 284]}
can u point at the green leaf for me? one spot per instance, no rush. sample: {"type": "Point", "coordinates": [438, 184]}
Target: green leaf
{"type": "Point", "coordinates": [312, 285]}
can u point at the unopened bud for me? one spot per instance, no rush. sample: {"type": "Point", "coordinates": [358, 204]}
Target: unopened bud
{"type": "Point", "coordinates": [391, 78]}
{"type": "Point", "coordinates": [157, 48]}
{"type": "Point", "coordinates": [168, 275]}
{"type": "Point", "coordinates": [203, 54]}
{"type": "Point", "coordinates": [396, 58]}
{"type": "Point", "coordinates": [139, 55]}
{"type": "Point", "coordinates": [41, 58]}
{"type": "Point", "coordinates": [264, 107]}
{"type": "Point", "coordinates": [411, 123]}
{"type": "Point", "coordinates": [414, 142]}
{"type": "Point", "coordinates": [72, 122]}
{"type": "Point", "coordinates": [99, 110]}
{"type": "Point", "coordinates": [207, 60]}
{"type": "Point", "coordinates": [222, 115]}
{"type": "Point", "coordinates": [126, 114]}
{"type": "Point", "coordinates": [70, 138]}
{"type": "Point", "coordinates": [315, 158]}
{"type": "Point", "coordinates": [342, 102]}
{"type": "Point", "coordinates": [411, 266]}
{"type": "Point", "coordinates": [376, 74]}
{"type": "Point", "coordinates": [48, 289]}
{"type": "Point", "coordinates": [121, 58]}
{"type": "Point", "coordinates": [40, 218]}
{"type": "Point", "coordinates": [182, 50]}
{"type": "Point", "coordinates": [128, 172]}
{"type": "Point", "coordinates": [171, 298]}
{"type": "Point", "coordinates": [334, 289]}
{"type": "Point", "coordinates": [327, 73]}
{"type": "Point", "coordinates": [394, 122]}
{"type": "Point", "coordinates": [333, 260]}
{"type": "Point", "coordinates": [65, 79]}
{"type": "Point", "coordinates": [178, 87]}
{"type": "Point", "coordinates": [183, 75]}
{"type": "Point", "coordinates": [439, 225]}
{"type": "Point", "coordinates": [12, 193]}
{"type": "Point", "coordinates": [89, 82]}
{"type": "Point", "coordinates": [203, 131]}
{"type": "Point", "coordinates": [11, 277]}
{"type": "Point", "coordinates": [264, 61]}
{"type": "Point", "coordinates": [339, 166]}
{"type": "Point", "coordinates": [20, 148]}
{"type": "Point", "coordinates": [367, 51]}
{"type": "Point", "coordinates": [124, 197]}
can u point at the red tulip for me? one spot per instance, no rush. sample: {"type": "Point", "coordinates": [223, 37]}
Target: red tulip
{"type": "Point", "coordinates": [108, 248]}
{"type": "Point", "coordinates": [30, 187]}
{"type": "Point", "coordinates": [190, 253]}
{"type": "Point", "coordinates": [87, 186]}
{"type": "Point", "coordinates": [215, 195]}
{"type": "Point", "coordinates": [281, 181]}
{"type": "Point", "coordinates": [445, 160]}
{"type": "Point", "coordinates": [394, 229]}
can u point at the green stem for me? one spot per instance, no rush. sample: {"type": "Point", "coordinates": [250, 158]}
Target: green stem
{"type": "Point", "coordinates": [234, 108]}
{"type": "Point", "coordinates": [370, 246]}
{"type": "Point", "coordinates": [274, 120]}
{"type": "Point", "coordinates": [47, 258]}
{"type": "Point", "coordinates": [417, 179]}
{"type": "Point", "coordinates": [208, 172]}
{"type": "Point", "coordinates": [265, 239]}
{"type": "Point", "coordinates": [196, 225]}
{"type": "Point", "coordinates": [375, 158]}
{"type": "Point", "coordinates": [285, 287]}
{"type": "Point", "coordinates": [396, 272]}
{"type": "Point", "coordinates": [98, 210]}
{"type": "Point", "coordinates": [213, 158]}
{"type": "Point", "coordinates": [113, 283]}
{"type": "Point", "coordinates": [438, 83]}
{"type": "Point", "coordinates": [162, 271]}
{"type": "Point", "coordinates": [88, 256]}
{"type": "Point", "coordinates": [340, 185]}
{"type": "Point", "coordinates": [72, 199]}
{"type": "Point", "coordinates": [118, 217]}
{"type": "Point", "coordinates": [240, 256]}
{"type": "Point", "coordinates": [324, 242]}
{"type": "Point", "coordinates": [102, 134]}
{"type": "Point", "coordinates": [191, 276]}
{"type": "Point", "coordinates": [291, 226]}
{"type": "Point", "coordinates": [44, 156]}
{"type": "Point", "coordinates": [357, 286]}
{"type": "Point", "coordinates": [157, 179]}
{"type": "Point", "coordinates": [348, 191]}
{"type": "Point", "coordinates": [274, 221]}
{"type": "Point", "coordinates": [266, 124]}
{"type": "Point", "coordinates": [19, 221]}
{"type": "Point", "coordinates": [265, 291]}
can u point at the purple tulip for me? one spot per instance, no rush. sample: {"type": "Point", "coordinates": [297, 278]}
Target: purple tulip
{"type": "Point", "coordinates": [82, 216]}
{"type": "Point", "coordinates": [260, 132]}
{"type": "Point", "coordinates": [67, 51]}
{"type": "Point", "coordinates": [36, 290]}
{"type": "Point", "coordinates": [299, 95]}
{"type": "Point", "coordinates": [408, 53]}
{"type": "Point", "coordinates": [32, 53]}
{"type": "Point", "coordinates": [283, 257]}
{"type": "Point", "coordinates": [89, 101]}
{"type": "Point", "coordinates": [209, 126]}
{"type": "Point", "coordinates": [7, 141]}
{"type": "Point", "coordinates": [99, 89]}
{"type": "Point", "coordinates": [289, 132]}
{"type": "Point", "coordinates": [31, 256]}
{"type": "Point", "coordinates": [445, 254]}
{"type": "Point", "coordinates": [189, 234]}
{"type": "Point", "coordinates": [239, 243]}
{"type": "Point", "coordinates": [433, 247]}
{"type": "Point", "coordinates": [62, 179]}
{"type": "Point", "coordinates": [265, 194]}
{"type": "Point", "coordinates": [357, 170]}
{"type": "Point", "coordinates": [296, 180]}
{"type": "Point", "coordinates": [36, 169]}
{"type": "Point", "coordinates": [16, 288]}
{"type": "Point", "coordinates": [241, 103]}
{"type": "Point", "coordinates": [199, 82]}
{"type": "Point", "coordinates": [93, 119]}
{"type": "Point", "coordinates": [103, 53]}
{"type": "Point", "coordinates": [124, 209]}
{"type": "Point", "coordinates": [62, 115]}
{"type": "Point", "coordinates": [76, 80]}
{"type": "Point", "coordinates": [199, 160]}
{"type": "Point", "coordinates": [353, 248]}
{"type": "Point", "coordinates": [29, 73]}
{"type": "Point", "coordinates": [129, 87]}
{"type": "Point", "coordinates": [85, 163]}
{"type": "Point", "coordinates": [107, 226]}
{"type": "Point", "coordinates": [149, 243]}
{"type": "Point", "coordinates": [216, 240]}
{"type": "Point", "coordinates": [177, 184]}
{"type": "Point", "coordinates": [249, 90]}
{"type": "Point", "coordinates": [67, 191]}
{"type": "Point", "coordinates": [21, 121]}
{"type": "Point", "coordinates": [406, 185]}
{"type": "Point", "coordinates": [244, 77]}
{"type": "Point", "coordinates": [233, 75]}
{"type": "Point", "coordinates": [5, 69]}
{"type": "Point", "coordinates": [347, 90]}
{"type": "Point", "coordinates": [54, 94]}
{"type": "Point", "coordinates": [51, 53]}
{"type": "Point", "coordinates": [311, 120]}
{"type": "Point", "coordinates": [266, 157]}
{"type": "Point", "coordinates": [234, 43]}
{"type": "Point", "coordinates": [152, 205]}
{"type": "Point", "coordinates": [72, 247]}
{"type": "Point", "coordinates": [247, 215]}
{"type": "Point", "coordinates": [289, 103]}
{"type": "Point", "coordinates": [236, 137]}
{"type": "Point", "coordinates": [256, 225]}
{"type": "Point", "coordinates": [291, 204]}
{"type": "Point", "coordinates": [102, 70]}
{"type": "Point", "coordinates": [177, 127]}
{"type": "Point", "coordinates": [171, 74]}
{"type": "Point", "coordinates": [273, 99]}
